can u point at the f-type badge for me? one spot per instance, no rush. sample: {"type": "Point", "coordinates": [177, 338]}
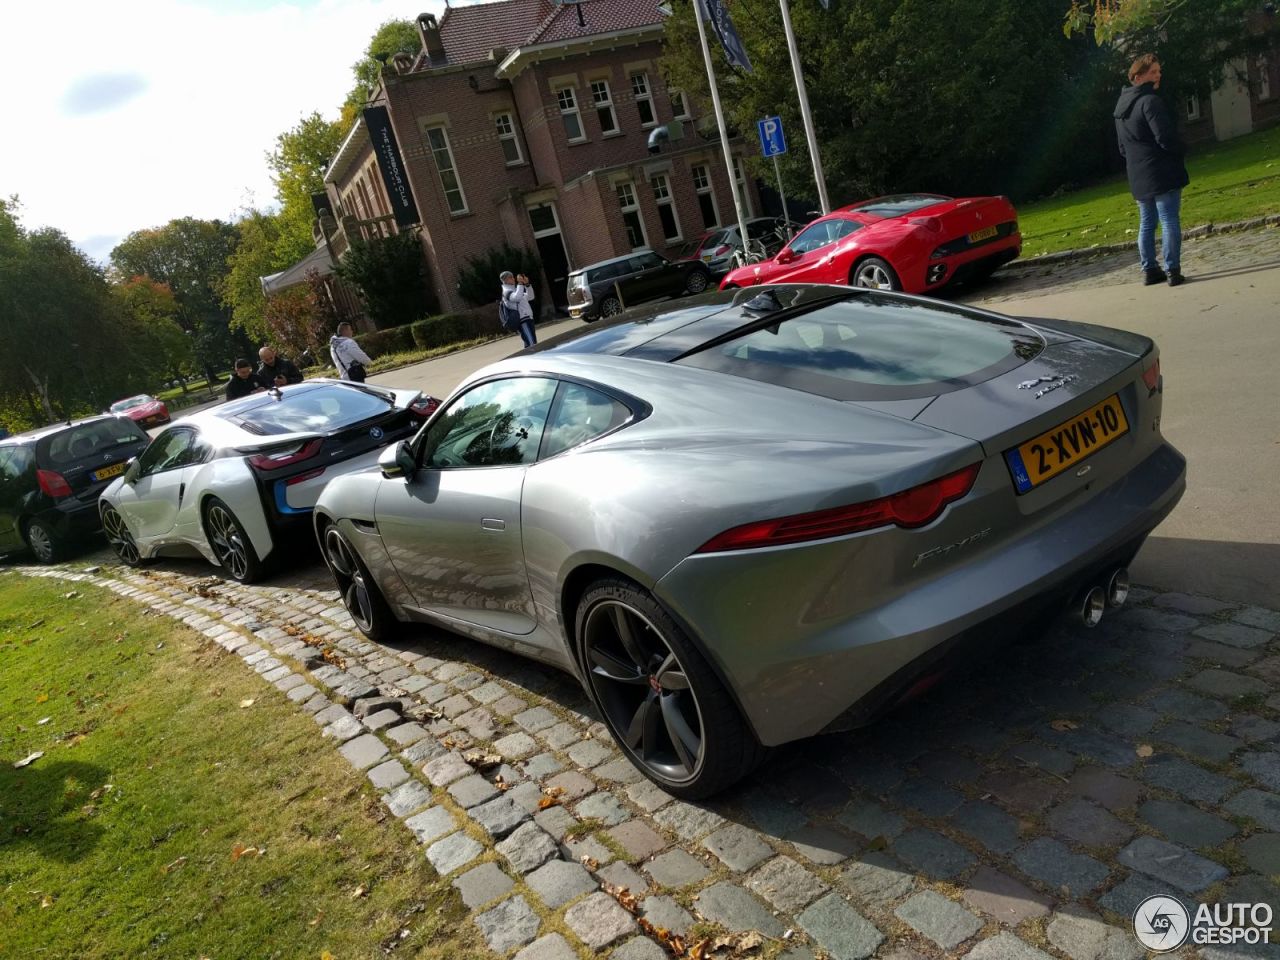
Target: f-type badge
{"type": "Point", "coordinates": [1054, 383]}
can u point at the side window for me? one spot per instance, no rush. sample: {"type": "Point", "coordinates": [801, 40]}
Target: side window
{"type": "Point", "coordinates": [846, 227]}
{"type": "Point", "coordinates": [580, 414]}
{"type": "Point", "coordinates": [6, 470]}
{"type": "Point", "coordinates": [646, 261]}
{"type": "Point", "coordinates": [21, 460]}
{"type": "Point", "coordinates": [197, 451]}
{"type": "Point", "coordinates": [813, 238]}
{"type": "Point", "coordinates": [499, 423]}
{"type": "Point", "coordinates": [164, 452]}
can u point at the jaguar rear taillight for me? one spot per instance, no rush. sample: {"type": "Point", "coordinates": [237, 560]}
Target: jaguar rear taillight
{"type": "Point", "coordinates": [424, 407]}
{"type": "Point", "coordinates": [283, 457]}
{"type": "Point", "coordinates": [1151, 376]}
{"type": "Point", "coordinates": [53, 483]}
{"type": "Point", "coordinates": [914, 507]}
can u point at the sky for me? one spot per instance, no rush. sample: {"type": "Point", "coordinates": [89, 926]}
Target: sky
{"type": "Point", "coordinates": [131, 113]}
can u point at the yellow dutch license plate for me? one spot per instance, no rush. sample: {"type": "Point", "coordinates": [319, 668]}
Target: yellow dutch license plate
{"type": "Point", "coordinates": [1067, 444]}
{"type": "Point", "coordinates": [979, 235]}
{"type": "Point", "coordinates": [112, 471]}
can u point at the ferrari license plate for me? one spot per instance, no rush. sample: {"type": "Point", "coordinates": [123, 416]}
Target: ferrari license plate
{"type": "Point", "coordinates": [979, 235]}
{"type": "Point", "coordinates": [112, 471]}
{"type": "Point", "coordinates": [1067, 444]}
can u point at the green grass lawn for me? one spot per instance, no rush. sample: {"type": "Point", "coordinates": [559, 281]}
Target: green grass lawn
{"type": "Point", "coordinates": [121, 840]}
{"type": "Point", "coordinates": [1235, 180]}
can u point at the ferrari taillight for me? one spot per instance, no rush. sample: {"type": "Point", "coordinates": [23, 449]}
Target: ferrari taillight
{"type": "Point", "coordinates": [914, 507]}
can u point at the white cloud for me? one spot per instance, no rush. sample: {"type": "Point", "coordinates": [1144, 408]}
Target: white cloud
{"type": "Point", "coordinates": [221, 82]}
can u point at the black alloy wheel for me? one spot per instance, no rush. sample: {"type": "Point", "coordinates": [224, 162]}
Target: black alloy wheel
{"type": "Point", "coordinates": [120, 538]}
{"type": "Point", "coordinates": [662, 702]}
{"type": "Point", "coordinates": [610, 306]}
{"type": "Point", "coordinates": [360, 595]}
{"type": "Point", "coordinates": [230, 542]}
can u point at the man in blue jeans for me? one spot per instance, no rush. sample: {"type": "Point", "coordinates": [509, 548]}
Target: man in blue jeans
{"type": "Point", "coordinates": [1148, 138]}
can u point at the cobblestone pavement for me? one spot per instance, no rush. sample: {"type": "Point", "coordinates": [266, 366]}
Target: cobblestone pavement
{"type": "Point", "coordinates": [1217, 254]}
{"type": "Point", "coordinates": [1018, 812]}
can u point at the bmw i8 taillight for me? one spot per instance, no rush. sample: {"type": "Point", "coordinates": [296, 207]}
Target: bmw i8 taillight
{"type": "Point", "coordinates": [280, 458]}
{"type": "Point", "coordinates": [53, 483]}
{"type": "Point", "coordinates": [914, 507]}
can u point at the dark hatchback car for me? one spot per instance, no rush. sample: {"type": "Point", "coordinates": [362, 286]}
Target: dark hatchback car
{"type": "Point", "coordinates": [608, 287]}
{"type": "Point", "coordinates": [50, 480]}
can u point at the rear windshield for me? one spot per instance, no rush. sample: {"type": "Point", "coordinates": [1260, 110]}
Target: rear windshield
{"type": "Point", "coordinates": [899, 204]}
{"type": "Point", "coordinates": [319, 409]}
{"type": "Point", "coordinates": [83, 441]}
{"type": "Point", "coordinates": [873, 347]}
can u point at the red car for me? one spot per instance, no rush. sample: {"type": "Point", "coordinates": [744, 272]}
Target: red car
{"type": "Point", "coordinates": [914, 242]}
{"type": "Point", "coordinates": [143, 409]}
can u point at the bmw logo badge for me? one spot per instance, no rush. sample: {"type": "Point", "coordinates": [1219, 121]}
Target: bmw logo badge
{"type": "Point", "coordinates": [376, 433]}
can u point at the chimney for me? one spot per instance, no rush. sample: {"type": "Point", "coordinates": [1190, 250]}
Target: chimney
{"type": "Point", "coordinates": [429, 31]}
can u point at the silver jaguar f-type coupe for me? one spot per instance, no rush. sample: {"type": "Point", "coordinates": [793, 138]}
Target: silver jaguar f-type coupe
{"type": "Point", "coordinates": [766, 514]}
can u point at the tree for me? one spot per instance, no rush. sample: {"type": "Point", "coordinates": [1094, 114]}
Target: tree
{"type": "Point", "coordinates": [394, 36]}
{"type": "Point", "coordinates": [301, 318]}
{"type": "Point", "coordinates": [297, 163]}
{"type": "Point", "coordinates": [391, 275]}
{"type": "Point", "coordinates": [160, 343]}
{"type": "Point", "coordinates": [259, 254]}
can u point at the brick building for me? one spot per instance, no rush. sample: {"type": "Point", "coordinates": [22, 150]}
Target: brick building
{"type": "Point", "coordinates": [527, 122]}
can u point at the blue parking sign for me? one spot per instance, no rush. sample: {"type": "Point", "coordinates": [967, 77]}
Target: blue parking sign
{"type": "Point", "coordinates": [772, 141]}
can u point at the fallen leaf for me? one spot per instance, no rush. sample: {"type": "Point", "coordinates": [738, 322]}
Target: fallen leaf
{"type": "Point", "coordinates": [28, 760]}
{"type": "Point", "coordinates": [101, 792]}
{"type": "Point", "coordinates": [245, 704]}
{"type": "Point", "coordinates": [45, 902]}
{"type": "Point", "coordinates": [501, 784]}
{"type": "Point", "coordinates": [554, 792]}
{"type": "Point", "coordinates": [42, 698]}
{"type": "Point", "coordinates": [543, 804]}
{"type": "Point", "coordinates": [316, 921]}
{"type": "Point", "coordinates": [1145, 750]}
{"type": "Point", "coordinates": [326, 955]}
{"type": "Point", "coordinates": [626, 899]}
{"type": "Point", "coordinates": [71, 596]}
{"type": "Point", "coordinates": [240, 850]}
{"type": "Point", "coordinates": [591, 863]}
{"type": "Point", "coordinates": [1063, 725]}
{"type": "Point", "coordinates": [42, 721]}
{"type": "Point", "coordinates": [359, 892]}
{"type": "Point", "coordinates": [481, 760]}
{"type": "Point", "coordinates": [169, 868]}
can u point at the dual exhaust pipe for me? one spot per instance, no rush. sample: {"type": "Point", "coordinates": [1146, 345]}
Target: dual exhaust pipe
{"type": "Point", "coordinates": [1091, 603]}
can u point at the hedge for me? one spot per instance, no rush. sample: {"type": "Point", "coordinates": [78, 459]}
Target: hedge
{"type": "Point", "coordinates": [433, 332]}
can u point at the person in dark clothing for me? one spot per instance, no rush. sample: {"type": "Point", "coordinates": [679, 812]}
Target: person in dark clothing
{"type": "Point", "coordinates": [275, 370]}
{"type": "Point", "coordinates": [243, 382]}
{"type": "Point", "coordinates": [1153, 151]}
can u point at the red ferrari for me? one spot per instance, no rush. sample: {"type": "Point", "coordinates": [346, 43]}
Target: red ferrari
{"type": "Point", "coordinates": [143, 409]}
{"type": "Point", "coordinates": [915, 242]}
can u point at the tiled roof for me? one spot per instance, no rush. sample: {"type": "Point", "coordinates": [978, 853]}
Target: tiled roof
{"type": "Point", "coordinates": [470, 32]}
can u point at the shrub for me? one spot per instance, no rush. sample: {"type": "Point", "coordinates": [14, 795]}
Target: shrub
{"type": "Point", "coordinates": [391, 275]}
{"type": "Point", "coordinates": [478, 280]}
{"type": "Point", "coordinates": [394, 340]}
{"type": "Point", "coordinates": [453, 328]}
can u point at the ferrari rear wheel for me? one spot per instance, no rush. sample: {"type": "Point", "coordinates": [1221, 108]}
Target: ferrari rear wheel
{"type": "Point", "coordinates": [876, 274]}
{"type": "Point", "coordinates": [120, 538]}
{"type": "Point", "coordinates": [662, 702]}
{"type": "Point", "coordinates": [360, 595]}
{"type": "Point", "coordinates": [230, 543]}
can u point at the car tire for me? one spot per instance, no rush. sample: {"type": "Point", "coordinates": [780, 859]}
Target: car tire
{"type": "Point", "coordinates": [875, 273]}
{"type": "Point", "coordinates": [688, 737]}
{"type": "Point", "coordinates": [43, 543]}
{"type": "Point", "coordinates": [697, 282]}
{"type": "Point", "coordinates": [121, 540]}
{"type": "Point", "coordinates": [610, 306]}
{"type": "Point", "coordinates": [360, 594]}
{"type": "Point", "coordinates": [230, 543]}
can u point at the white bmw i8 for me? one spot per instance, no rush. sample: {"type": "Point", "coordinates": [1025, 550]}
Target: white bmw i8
{"type": "Point", "coordinates": [230, 482]}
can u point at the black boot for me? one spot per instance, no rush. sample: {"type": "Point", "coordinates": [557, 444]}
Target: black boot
{"type": "Point", "coordinates": [1154, 275]}
{"type": "Point", "coordinates": [1176, 278]}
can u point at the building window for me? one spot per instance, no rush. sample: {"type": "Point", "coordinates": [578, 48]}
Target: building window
{"type": "Point", "coordinates": [568, 101]}
{"type": "Point", "coordinates": [507, 136]}
{"type": "Point", "coordinates": [706, 197]}
{"type": "Point", "coordinates": [1192, 106]}
{"type": "Point", "coordinates": [438, 139]}
{"type": "Point", "coordinates": [679, 106]}
{"type": "Point", "coordinates": [631, 216]}
{"type": "Point", "coordinates": [644, 99]}
{"type": "Point", "coordinates": [1264, 77]}
{"type": "Point", "coordinates": [666, 208]}
{"type": "Point", "coordinates": [740, 175]}
{"type": "Point", "coordinates": [602, 100]}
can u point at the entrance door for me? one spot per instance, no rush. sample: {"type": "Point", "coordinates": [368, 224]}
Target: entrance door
{"type": "Point", "coordinates": [555, 262]}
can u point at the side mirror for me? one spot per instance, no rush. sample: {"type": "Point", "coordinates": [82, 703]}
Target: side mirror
{"type": "Point", "coordinates": [785, 255]}
{"type": "Point", "coordinates": [131, 471]}
{"type": "Point", "coordinates": [398, 461]}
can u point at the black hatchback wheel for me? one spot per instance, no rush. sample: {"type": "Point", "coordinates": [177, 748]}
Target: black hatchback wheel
{"type": "Point", "coordinates": [120, 538]}
{"type": "Point", "coordinates": [698, 281]}
{"type": "Point", "coordinates": [360, 595]}
{"type": "Point", "coordinates": [43, 542]}
{"type": "Point", "coordinates": [660, 699]}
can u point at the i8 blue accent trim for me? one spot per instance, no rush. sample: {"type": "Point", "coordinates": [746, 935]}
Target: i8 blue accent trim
{"type": "Point", "coordinates": [282, 504]}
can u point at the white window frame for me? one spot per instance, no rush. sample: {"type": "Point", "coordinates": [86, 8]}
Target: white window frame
{"type": "Point", "coordinates": [706, 189]}
{"type": "Point", "coordinates": [662, 197]}
{"type": "Point", "coordinates": [1191, 106]}
{"type": "Point", "coordinates": [603, 105]}
{"type": "Point", "coordinates": [508, 135]}
{"type": "Point", "coordinates": [740, 178]}
{"type": "Point", "coordinates": [569, 109]}
{"type": "Point", "coordinates": [447, 150]}
{"type": "Point", "coordinates": [629, 202]}
{"type": "Point", "coordinates": [643, 93]}
{"type": "Point", "coordinates": [683, 112]}
{"type": "Point", "coordinates": [1264, 77]}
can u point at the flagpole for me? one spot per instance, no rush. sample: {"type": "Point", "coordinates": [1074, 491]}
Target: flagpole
{"type": "Point", "coordinates": [805, 115]}
{"type": "Point", "coordinates": [724, 134]}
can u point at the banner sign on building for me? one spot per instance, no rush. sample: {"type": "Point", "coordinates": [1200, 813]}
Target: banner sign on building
{"type": "Point", "coordinates": [718, 14]}
{"type": "Point", "coordinates": [391, 164]}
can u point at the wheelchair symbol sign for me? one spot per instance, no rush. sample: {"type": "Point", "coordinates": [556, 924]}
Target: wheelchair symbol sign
{"type": "Point", "coordinates": [772, 140]}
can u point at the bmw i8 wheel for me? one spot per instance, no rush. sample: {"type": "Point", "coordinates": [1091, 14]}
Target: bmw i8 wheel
{"type": "Point", "coordinates": [660, 699]}
{"type": "Point", "coordinates": [610, 306]}
{"type": "Point", "coordinates": [360, 595]}
{"type": "Point", "coordinates": [877, 274]}
{"type": "Point", "coordinates": [230, 543]}
{"type": "Point", "coordinates": [42, 542]}
{"type": "Point", "coordinates": [120, 538]}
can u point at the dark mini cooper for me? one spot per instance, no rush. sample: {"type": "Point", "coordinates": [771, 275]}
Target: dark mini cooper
{"type": "Point", "coordinates": [608, 287]}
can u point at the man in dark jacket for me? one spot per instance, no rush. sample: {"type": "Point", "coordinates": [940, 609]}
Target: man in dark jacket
{"type": "Point", "coordinates": [243, 381]}
{"type": "Point", "coordinates": [1152, 149]}
{"type": "Point", "coordinates": [275, 370]}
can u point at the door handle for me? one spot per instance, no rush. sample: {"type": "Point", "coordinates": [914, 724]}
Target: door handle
{"type": "Point", "coordinates": [497, 526]}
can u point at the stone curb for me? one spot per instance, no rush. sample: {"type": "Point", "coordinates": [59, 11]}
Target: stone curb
{"type": "Point", "coordinates": [1086, 253]}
